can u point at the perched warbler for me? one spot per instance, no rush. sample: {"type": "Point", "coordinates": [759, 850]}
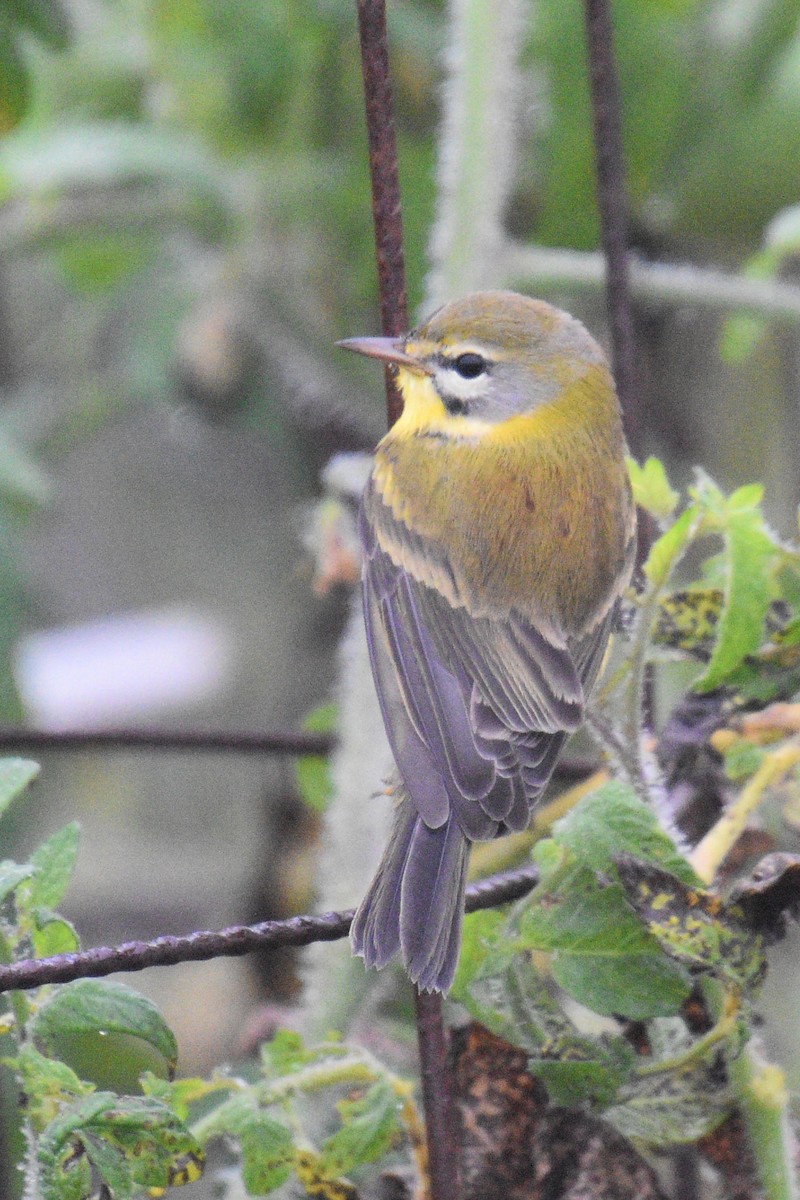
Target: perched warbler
{"type": "Point", "coordinates": [498, 532]}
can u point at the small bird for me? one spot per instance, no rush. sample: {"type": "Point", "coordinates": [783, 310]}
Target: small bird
{"type": "Point", "coordinates": [498, 534]}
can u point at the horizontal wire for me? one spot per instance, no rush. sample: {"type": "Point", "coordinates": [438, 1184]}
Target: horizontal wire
{"type": "Point", "coordinates": [235, 940]}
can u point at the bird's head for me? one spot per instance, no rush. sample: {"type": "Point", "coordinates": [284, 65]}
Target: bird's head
{"type": "Point", "coordinates": [485, 358]}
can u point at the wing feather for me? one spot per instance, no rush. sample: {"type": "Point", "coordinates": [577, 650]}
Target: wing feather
{"type": "Point", "coordinates": [477, 709]}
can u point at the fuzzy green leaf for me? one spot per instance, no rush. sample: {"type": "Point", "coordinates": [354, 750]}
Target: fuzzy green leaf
{"type": "Point", "coordinates": [750, 558]}
{"type": "Point", "coordinates": [154, 1143]}
{"type": "Point", "coordinates": [369, 1126]}
{"type": "Point", "coordinates": [54, 863]}
{"type": "Point", "coordinates": [601, 954]}
{"type": "Point", "coordinates": [612, 820]}
{"type": "Point", "coordinates": [47, 1083]}
{"type": "Point", "coordinates": [501, 988]}
{"type": "Point", "coordinates": [267, 1149]}
{"type": "Point", "coordinates": [110, 1164]}
{"type": "Point", "coordinates": [666, 551]}
{"type": "Point", "coordinates": [651, 488]}
{"type": "Point", "coordinates": [15, 775]}
{"type": "Point", "coordinates": [11, 876]}
{"type": "Point", "coordinates": [99, 1007]}
{"type": "Point", "coordinates": [675, 1106]}
{"type": "Point", "coordinates": [580, 1070]}
{"type": "Point", "coordinates": [62, 1170]}
{"type": "Point", "coordinates": [693, 926]}
{"type": "Point", "coordinates": [53, 935]}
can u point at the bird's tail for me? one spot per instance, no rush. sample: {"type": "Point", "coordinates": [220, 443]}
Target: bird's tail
{"type": "Point", "coordinates": [415, 903]}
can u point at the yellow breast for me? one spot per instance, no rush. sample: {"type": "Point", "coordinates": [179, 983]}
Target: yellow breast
{"type": "Point", "coordinates": [532, 513]}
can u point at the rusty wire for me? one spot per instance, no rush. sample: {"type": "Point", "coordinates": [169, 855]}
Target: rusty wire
{"type": "Point", "coordinates": [231, 942]}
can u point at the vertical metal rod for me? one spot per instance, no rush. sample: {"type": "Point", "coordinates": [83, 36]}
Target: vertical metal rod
{"type": "Point", "coordinates": [613, 207]}
{"type": "Point", "coordinates": [437, 1097]}
{"type": "Point", "coordinates": [386, 210]}
{"type": "Point", "coordinates": [612, 203]}
{"type": "Point", "coordinates": [437, 1093]}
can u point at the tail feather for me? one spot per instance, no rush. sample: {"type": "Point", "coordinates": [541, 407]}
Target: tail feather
{"type": "Point", "coordinates": [415, 904]}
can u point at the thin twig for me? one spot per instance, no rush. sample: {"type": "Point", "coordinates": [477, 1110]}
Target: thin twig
{"type": "Point", "coordinates": [280, 742]}
{"type": "Point", "coordinates": [232, 942]}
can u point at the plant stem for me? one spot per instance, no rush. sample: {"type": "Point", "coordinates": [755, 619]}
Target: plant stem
{"type": "Point", "coordinates": [764, 1101]}
{"type": "Point", "coordinates": [720, 1032]}
{"type": "Point", "coordinates": [711, 852]}
{"type": "Point", "coordinates": [477, 141]}
{"type": "Point", "coordinates": [668, 284]}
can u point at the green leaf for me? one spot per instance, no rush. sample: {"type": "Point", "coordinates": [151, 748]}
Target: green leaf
{"type": "Point", "coordinates": [369, 1126]}
{"type": "Point", "coordinates": [651, 489]}
{"type": "Point", "coordinates": [66, 1176]}
{"type": "Point", "coordinates": [15, 775]}
{"type": "Point", "coordinates": [666, 551]}
{"type": "Point", "coordinates": [482, 932]}
{"type": "Point", "coordinates": [742, 760]}
{"type": "Point", "coordinates": [676, 1105]}
{"type": "Point", "coordinates": [58, 1142]}
{"type": "Point", "coordinates": [110, 1164]}
{"type": "Point", "coordinates": [153, 1141]}
{"type": "Point", "coordinates": [750, 560]}
{"type": "Point", "coordinates": [693, 926]}
{"type": "Point", "coordinates": [54, 863]}
{"type": "Point", "coordinates": [267, 1155]}
{"type": "Point", "coordinates": [688, 620]}
{"type": "Point", "coordinates": [180, 1093]}
{"type": "Point", "coordinates": [313, 771]}
{"type": "Point", "coordinates": [100, 1007]}
{"type": "Point", "coordinates": [53, 935]}
{"type": "Point", "coordinates": [129, 1139]}
{"type": "Point", "coordinates": [287, 1052]}
{"type": "Point", "coordinates": [507, 995]}
{"type": "Point", "coordinates": [14, 79]}
{"type": "Point", "coordinates": [99, 263]}
{"type": "Point", "coordinates": [612, 820]}
{"type": "Point", "coordinates": [46, 1082]}
{"type": "Point", "coordinates": [11, 876]}
{"type": "Point", "coordinates": [580, 1070]}
{"type": "Point", "coordinates": [601, 954]}
{"type": "Point", "coordinates": [47, 19]}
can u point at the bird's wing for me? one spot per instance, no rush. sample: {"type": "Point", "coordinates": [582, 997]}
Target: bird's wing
{"type": "Point", "coordinates": [476, 709]}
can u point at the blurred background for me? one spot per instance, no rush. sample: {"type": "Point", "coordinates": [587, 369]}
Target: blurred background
{"type": "Point", "coordinates": [185, 230]}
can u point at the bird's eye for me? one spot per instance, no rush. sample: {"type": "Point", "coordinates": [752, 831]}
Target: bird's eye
{"type": "Point", "coordinates": [470, 365]}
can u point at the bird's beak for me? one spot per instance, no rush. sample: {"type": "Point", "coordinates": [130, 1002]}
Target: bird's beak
{"type": "Point", "coordinates": [388, 350]}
